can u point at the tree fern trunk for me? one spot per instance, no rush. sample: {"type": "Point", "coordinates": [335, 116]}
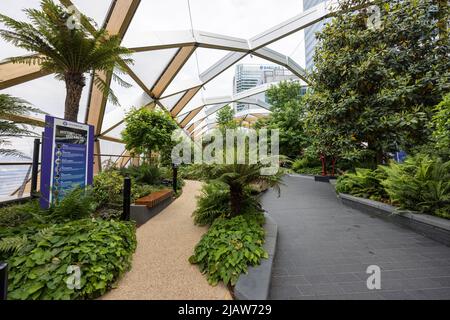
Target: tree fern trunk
{"type": "Point", "coordinates": [75, 83]}
{"type": "Point", "coordinates": [236, 196]}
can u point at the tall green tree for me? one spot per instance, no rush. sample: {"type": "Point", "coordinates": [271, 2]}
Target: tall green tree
{"type": "Point", "coordinates": [287, 115]}
{"type": "Point", "coordinates": [374, 89]}
{"type": "Point", "coordinates": [69, 50]}
{"type": "Point", "coordinates": [225, 118]}
{"type": "Point", "coordinates": [10, 126]}
{"type": "Point", "coordinates": [149, 131]}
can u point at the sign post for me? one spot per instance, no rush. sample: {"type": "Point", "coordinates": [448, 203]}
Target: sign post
{"type": "Point", "coordinates": [67, 158]}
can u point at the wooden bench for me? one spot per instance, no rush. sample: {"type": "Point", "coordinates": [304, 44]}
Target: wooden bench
{"type": "Point", "coordinates": [154, 198]}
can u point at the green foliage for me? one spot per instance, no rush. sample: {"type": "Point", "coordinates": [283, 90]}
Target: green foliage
{"type": "Point", "coordinates": [229, 247]}
{"type": "Point", "coordinates": [239, 177]}
{"type": "Point", "coordinates": [12, 106]}
{"type": "Point", "coordinates": [70, 53]}
{"type": "Point", "coordinates": [287, 115]}
{"type": "Point", "coordinates": [76, 204]}
{"type": "Point", "coordinates": [215, 202]}
{"type": "Point", "coordinates": [364, 183]}
{"type": "Point", "coordinates": [225, 118]}
{"type": "Point", "coordinates": [307, 165]}
{"type": "Point", "coordinates": [107, 191]}
{"type": "Point", "coordinates": [441, 126]}
{"type": "Point", "coordinates": [144, 174]}
{"type": "Point", "coordinates": [375, 89]}
{"type": "Point", "coordinates": [149, 131]}
{"type": "Point", "coordinates": [421, 184]}
{"type": "Point", "coordinates": [39, 261]}
{"type": "Point", "coordinates": [108, 187]}
{"type": "Point", "coordinates": [15, 215]}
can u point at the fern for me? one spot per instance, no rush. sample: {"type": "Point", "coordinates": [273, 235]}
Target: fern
{"type": "Point", "coordinates": [421, 184]}
{"type": "Point", "coordinates": [12, 244]}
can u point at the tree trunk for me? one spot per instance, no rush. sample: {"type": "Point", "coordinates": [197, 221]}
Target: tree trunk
{"type": "Point", "coordinates": [236, 197]}
{"type": "Point", "coordinates": [75, 83]}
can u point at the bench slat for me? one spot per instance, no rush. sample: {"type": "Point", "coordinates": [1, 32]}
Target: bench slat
{"type": "Point", "coordinates": [154, 198]}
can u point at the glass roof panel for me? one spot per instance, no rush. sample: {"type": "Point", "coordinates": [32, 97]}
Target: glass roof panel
{"type": "Point", "coordinates": [240, 18]}
{"type": "Point", "coordinates": [48, 94]}
{"type": "Point", "coordinates": [153, 17]}
{"type": "Point", "coordinates": [128, 97]}
{"type": "Point", "coordinates": [187, 77]}
{"type": "Point", "coordinates": [13, 9]}
{"type": "Point", "coordinates": [170, 102]}
{"type": "Point", "coordinates": [149, 66]}
{"type": "Point", "coordinates": [97, 12]}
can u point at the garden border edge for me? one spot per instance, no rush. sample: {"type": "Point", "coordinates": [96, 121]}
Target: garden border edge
{"type": "Point", "coordinates": [255, 285]}
{"type": "Point", "coordinates": [432, 227]}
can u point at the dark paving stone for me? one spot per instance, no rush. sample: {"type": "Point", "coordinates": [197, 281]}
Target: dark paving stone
{"type": "Point", "coordinates": [324, 249]}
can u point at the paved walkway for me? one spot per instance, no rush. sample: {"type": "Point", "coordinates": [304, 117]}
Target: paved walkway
{"type": "Point", "coordinates": [324, 249]}
{"type": "Point", "coordinates": [160, 268]}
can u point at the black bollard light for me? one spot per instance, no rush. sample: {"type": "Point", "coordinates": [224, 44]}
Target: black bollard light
{"type": "Point", "coordinates": [174, 177]}
{"type": "Point", "coordinates": [35, 168]}
{"type": "Point", "coordinates": [3, 280]}
{"type": "Point", "coordinates": [126, 199]}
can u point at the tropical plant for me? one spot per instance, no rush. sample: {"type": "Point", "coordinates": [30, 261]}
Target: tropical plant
{"type": "Point", "coordinates": [364, 183]}
{"type": "Point", "coordinates": [40, 262]}
{"type": "Point", "coordinates": [69, 50]}
{"type": "Point", "coordinates": [372, 90]}
{"type": "Point", "coordinates": [238, 177]}
{"type": "Point", "coordinates": [144, 174]}
{"type": "Point", "coordinates": [421, 183]}
{"type": "Point", "coordinates": [441, 127]}
{"type": "Point", "coordinates": [213, 202]}
{"type": "Point", "coordinates": [11, 124]}
{"type": "Point", "coordinates": [229, 247]}
{"type": "Point", "coordinates": [149, 131]}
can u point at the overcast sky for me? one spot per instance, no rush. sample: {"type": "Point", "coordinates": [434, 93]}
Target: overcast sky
{"type": "Point", "coordinates": [238, 18]}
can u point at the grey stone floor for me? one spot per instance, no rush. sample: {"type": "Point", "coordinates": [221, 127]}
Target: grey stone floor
{"type": "Point", "coordinates": [324, 249]}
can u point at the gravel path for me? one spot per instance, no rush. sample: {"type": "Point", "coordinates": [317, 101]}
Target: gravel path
{"type": "Point", "coordinates": [160, 269]}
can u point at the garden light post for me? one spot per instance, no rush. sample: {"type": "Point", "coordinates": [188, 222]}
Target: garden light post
{"type": "Point", "coordinates": [126, 199]}
{"type": "Point", "coordinates": [174, 176]}
{"type": "Point", "coordinates": [3, 280]}
{"type": "Point", "coordinates": [35, 167]}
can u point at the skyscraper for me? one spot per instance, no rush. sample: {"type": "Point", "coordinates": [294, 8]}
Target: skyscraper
{"type": "Point", "coordinates": [248, 76]}
{"type": "Point", "coordinates": [310, 38]}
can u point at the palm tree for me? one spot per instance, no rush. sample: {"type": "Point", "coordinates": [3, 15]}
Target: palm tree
{"type": "Point", "coordinates": [69, 51]}
{"type": "Point", "coordinates": [11, 108]}
{"type": "Point", "coordinates": [240, 176]}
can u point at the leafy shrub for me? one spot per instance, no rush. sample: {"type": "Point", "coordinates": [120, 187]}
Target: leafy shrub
{"type": "Point", "coordinates": [364, 183]}
{"type": "Point", "coordinates": [76, 204]}
{"type": "Point", "coordinates": [305, 162]}
{"type": "Point", "coordinates": [15, 215]}
{"type": "Point", "coordinates": [441, 126]}
{"type": "Point", "coordinates": [144, 174]}
{"type": "Point", "coordinates": [108, 187]}
{"type": "Point", "coordinates": [229, 247]}
{"type": "Point", "coordinates": [421, 184]}
{"type": "Point", "coordinates": [39, 262]}
{"type": "Point", "coordinates": [213, 202]}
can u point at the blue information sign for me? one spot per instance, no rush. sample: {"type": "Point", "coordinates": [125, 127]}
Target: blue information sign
{"type": "Point", "coordinates": [67, 158]}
